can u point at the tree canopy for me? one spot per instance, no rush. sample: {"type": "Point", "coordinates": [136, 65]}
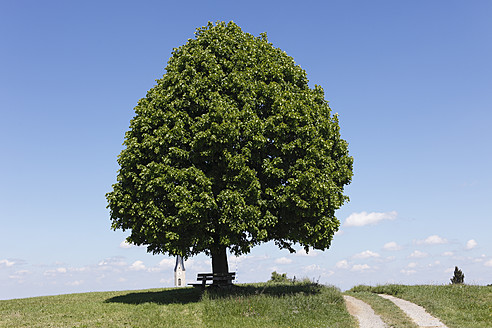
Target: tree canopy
{"type": "Point", "coordinates": [230, 149]}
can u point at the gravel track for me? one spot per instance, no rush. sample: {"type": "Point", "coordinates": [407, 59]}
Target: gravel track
{"type": "Point", "coordinates": [417, 313]}
{"type": "Point", "coordinates": [364, 313]}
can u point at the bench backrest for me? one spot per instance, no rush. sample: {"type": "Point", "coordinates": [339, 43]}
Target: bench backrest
{"type": "Point", "coordinates": [211, 276]}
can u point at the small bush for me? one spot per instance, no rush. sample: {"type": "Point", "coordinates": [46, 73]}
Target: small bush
{"type": "Point", "coordinates": [279, 278]}
{"type": "Point", "coordinates": [458, 277]}
{"type": "Point", "coordinates": [361, 289]}
{"type": "Point", "coordinates": [380, 289]}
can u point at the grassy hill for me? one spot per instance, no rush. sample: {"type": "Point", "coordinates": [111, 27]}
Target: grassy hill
{"type": "Point", "coordinates": [458, 306]}
{"type": "Point", "coordinates": [253, 305]}
{"type": "Point", "coordinates": [258, 305]}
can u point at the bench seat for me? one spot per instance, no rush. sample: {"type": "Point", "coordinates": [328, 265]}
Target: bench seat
{"type": "Point", "coordinates": [215, 279]}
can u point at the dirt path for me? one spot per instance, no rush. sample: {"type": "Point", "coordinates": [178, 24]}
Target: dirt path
{"type": "Point", "coordinates": [416, 313]}
{"type": "Point", "coordinates": [364, 313]}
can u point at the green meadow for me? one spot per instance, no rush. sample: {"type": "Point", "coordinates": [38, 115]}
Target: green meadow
{"type": "Point", "coordinates": [253, 305]}
{"type": "Point", "coordinates": [458, 306]}
{"type": "Point", "coordinates": [300, 304]}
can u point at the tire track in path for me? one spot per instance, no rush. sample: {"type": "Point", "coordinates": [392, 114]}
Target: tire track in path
{"type": "Point", "coordinates": [417, 313]}
{"type": "Point", "coordinates": [364, 313]}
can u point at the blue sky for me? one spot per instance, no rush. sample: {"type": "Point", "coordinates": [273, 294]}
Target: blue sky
{"type": "Point", "coordinates": [410, 80]}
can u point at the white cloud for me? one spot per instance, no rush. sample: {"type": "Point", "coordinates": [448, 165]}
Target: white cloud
{"type": "Point", "coordinates": [82, 269]}
{"type": "Point", "coordinates": [248, 257]}
{"type": "Point", "coordinates": [360, 267]}
{"type": "Point", "coordinates": [447, 254]}
{"type": "Point", "coordinates": [7, 263]}
{"type": "Point", "coordinates": [53, 273]}
{"type": "Point", "coordinates": [412, 265]}
{"type": "Point", "coordinates": [449, 270]}
{"type": "Point", "coordinates": [392, 246]}
{"type": "Point", "coordinates": [75, 283]}
{"type": "Point", "coordinates": [328, 273]}
{"type": "Point", "coordinates": [22, 272]}
{"type": "Point", "coordinates": [113, 261]}
{"type": "Point", "coordinates": [418, 254]}
{"type": "Point", "coordinates": [471, 244]}
{"type": "Point", "coordinates": [283, 260]}
{"type": "Point", "coordinates": [302, 252]}
{"type": "Point", "coordinates": [408, 272]}
{"type": "Point", "coordinates": [365, 255]}
{"type": "Point", "coordinates": [125, 244]}
{"type": "Point", "coordinates": [364, 218]}
{"type": "Point", "coordinates": [339, 232]}
{"type": "Point", "coordinates": [168, 263]}
{"type": "Point", "coordinates": [19, 275]}
{"type": "Point", "coordinates": [433, 240]}
{"type": "Point", "coordinates": [488, 263]}
{"type": "Point", "coordinates": [343, 264]}
{"type": "Point", "coordinates": [137, 265]}
{"type": "Point", "coordinates": [311, 268]}
{"type": "Point", "coordinates": [165, 281]}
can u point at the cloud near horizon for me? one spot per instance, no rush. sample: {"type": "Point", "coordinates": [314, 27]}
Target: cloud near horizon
{"type": "Point", "coordinates": [418, 254]}
{"type": "Point", "coordinates": [392, 246]}
{"type": "Point", "coordinates": [360, 267]}
{"type": "Point", "coordinates": [432, 240]}
{"type": "Point", "coordinates": [137, 266]}
{"type": "Point", "coordinates": [471, 244]}
{"type": "Point", "coordinates": [283, 260]}
{"type": "Point", "coordinates": [7, 263]}
{"type": "Point", "coordinates": [125, 244]}
{"type": "Point", "coordinates": [302, 252]}
{"type": "Point", "coordinates": [366, 254]}
{"type": "Point", "coordinates": [343, 264]}
{"type": "Point", "coordinates": [364, 218]}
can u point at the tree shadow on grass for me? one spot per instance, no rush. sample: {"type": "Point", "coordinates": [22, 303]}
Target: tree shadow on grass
{"type": "Point", "coordinates": [168, 296]}
{"type": "Point", "coordinates": [270, 289]}
{"type": "Point", "coordinates": [192, 295]}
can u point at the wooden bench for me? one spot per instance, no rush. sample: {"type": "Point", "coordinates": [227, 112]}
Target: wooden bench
{"type": "Point", "coordinates": [219, 279]}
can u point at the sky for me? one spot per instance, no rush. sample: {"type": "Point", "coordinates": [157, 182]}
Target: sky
{"type": "Point", "coordinates": [410, 80]}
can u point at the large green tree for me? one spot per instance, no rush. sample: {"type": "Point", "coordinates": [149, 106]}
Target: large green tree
{"type": "Point", "coordinates": [230, 149]}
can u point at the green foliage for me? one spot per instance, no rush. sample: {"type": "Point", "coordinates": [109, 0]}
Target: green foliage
{"type": "Point", "coordinates": [388, 289]}
{"type": "Point", "coordinates": [279, 278]}
{"type": "Point", "coordinates": [458, 276]}
{"type": "Point", "coordinates": [230, 149]}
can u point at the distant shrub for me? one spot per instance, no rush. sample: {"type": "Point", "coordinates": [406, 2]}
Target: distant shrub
{"type": "Point", "coordinates": [279, 278]}
{"type": "Point", "coordinates": [361, 288]}
{"type": "Point", "coordinates": [458, 277]}
{"type": "Point", "coordinates": [380, 289]}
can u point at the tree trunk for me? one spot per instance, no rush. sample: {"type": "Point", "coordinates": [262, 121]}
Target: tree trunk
{"type": "Point", "coordinates": [219, 260]}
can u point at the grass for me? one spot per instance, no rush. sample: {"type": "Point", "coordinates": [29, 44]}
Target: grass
{"type": "Point", "coordinates": [278, 305]}
{"type": "Point", "coordinates": [387, 310]}
{"type": "Point", "coordinates": [458, 306]}
{"type": "Point", "coordinates": [152, 308]}
{"type": "Point", "coordinates": [301, 304]}
{"type": "Point", "coordinates": [258, 305]}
